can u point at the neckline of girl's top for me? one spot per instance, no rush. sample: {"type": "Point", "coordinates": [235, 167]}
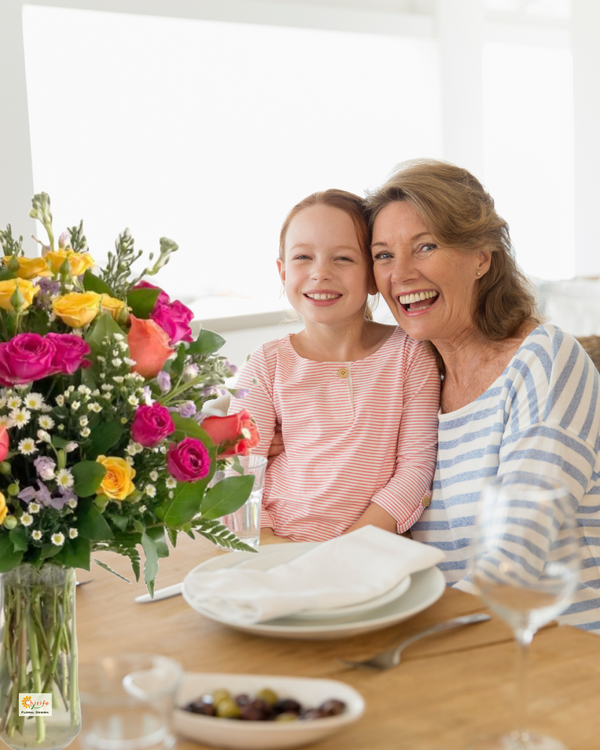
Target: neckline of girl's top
{"type": "Point", "coordinates": [471, 405]}
{"type": "Point", "coordinates": [287, 340]}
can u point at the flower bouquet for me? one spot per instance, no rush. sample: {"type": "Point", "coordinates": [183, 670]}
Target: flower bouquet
{"type": "Point", "coordinates": [102, 447]}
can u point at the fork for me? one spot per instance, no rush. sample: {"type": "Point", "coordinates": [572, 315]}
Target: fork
{"type": "Point", "coordinates": [391, 657]}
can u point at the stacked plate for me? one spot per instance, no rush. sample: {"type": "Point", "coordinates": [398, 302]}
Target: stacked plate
{"type": "Point", "coordinates": [410, 596]}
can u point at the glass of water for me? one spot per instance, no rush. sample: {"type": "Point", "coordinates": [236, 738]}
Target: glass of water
{"type": "Point", "coordinates": [245, 522]}
{"type": "Point", "coordinates": [526, 565]}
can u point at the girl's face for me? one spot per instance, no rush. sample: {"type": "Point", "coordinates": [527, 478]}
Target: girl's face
{"type": "Point", "coordinates": [325, 273]}
{"type": "Point", "coordinates": [429, 288]}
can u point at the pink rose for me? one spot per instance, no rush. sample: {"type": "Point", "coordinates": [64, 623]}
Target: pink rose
{"type": "Point", "coordinates": [70, 352]}
{"type": "Point", "coordinates": [148, 345]}
{"type": "Point", "coordinates": [151, 424]}
{"type": "Point", "coordinates": [234, 435]}
{"type": "Point", "coordinates": [26, 357]}
{"type": "Point", "coordinates": [174, 319]}
{"type": "Point", "coordinates": [188, 461]}
{"type": "Point", "coordinates": [163, 297]}
{"type": "Point", "coordinates": [4, 442]}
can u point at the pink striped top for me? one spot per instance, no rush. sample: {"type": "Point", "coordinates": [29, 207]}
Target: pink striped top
{"type": "Point", "coordinates": [354, 433]}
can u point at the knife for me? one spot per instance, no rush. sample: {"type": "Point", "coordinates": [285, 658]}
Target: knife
{"type": "Point", "coordinates": [159, 594]}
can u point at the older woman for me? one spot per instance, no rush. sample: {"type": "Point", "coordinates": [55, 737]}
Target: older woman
{"type": "Point", "coordinates": [517, 395]}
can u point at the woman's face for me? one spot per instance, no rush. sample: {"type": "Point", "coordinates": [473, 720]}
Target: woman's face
{"type": "Point", "coordinates": [429, 288]}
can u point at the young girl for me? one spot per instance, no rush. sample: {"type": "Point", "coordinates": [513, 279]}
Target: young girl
{"type": "Point", "coordinates": [357, 401]}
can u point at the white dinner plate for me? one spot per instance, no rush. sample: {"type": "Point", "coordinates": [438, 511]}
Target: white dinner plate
{"type": "Point", "coordinates": [287, 552]}
{"type": "Point", "coordinates": [264, 735]}
{"type": "Point", "coordinates": [426, 588]}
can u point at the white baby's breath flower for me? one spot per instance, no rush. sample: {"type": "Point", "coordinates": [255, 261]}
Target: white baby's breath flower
{"type": "Point", "coordinates": [118, 379]}
{"type": "Point", "coordinates": [129, 460]}
{"type": "Point", "coordinates": [171, 483]}
{"type": "Point", "coordinates": [84, 389]}
{"type": "Point", "coordinates": [123, 346]}
{"type": "Point", "coordinates": [86, 432]}
{"type": "Point", "coordinates": [34, 508]}
{"type": "Point", "coordinates": [36, 534]}
{"type": "Point", "coordinates": [60, 427]}
{"type": "Point", "coordinates": [100, 358]}
{"type": "Point", "coordinates": [70, 447]}
{"type": "Point", "coordinates": [163, 449]}
{"type": "Point", "coordinates": [133, 400]}
{"type": "Point", "coordinates": [102, 376]}
{"type": "Point", "coordinates": [171, 495]}
{"type": "Point", "coordinates": [107, 387]}
{"type": "Point", "coordinates": [20, 417]}
{"type": "Point", "coordinates": [131, 449]}
{"type": "Point", "coordinates": [95, 407]}
{"type": "Point", "coordinates": [13, 402]}
{"type": "Point", "coordinates": [27, 447]}
{"type": "Point", "coordinates": [73, 533]}
{"type": "Point", "coordinates": [51, 316]}
{"type": "Point", "coordinates": [107, 396]}
{"type": "Point", "coordinates": [129, 361]}
{"type": "Point", "coordinates": [95, 393]}
{"type": "Point", "coordinates": [154, 476]}
{"type": "Point", "coordinates": [46, 422]}
{"type": "Point", "coordinates": [26, 519]}
{"type": "Point", "coordinates": [34, 401]}
{"type": "Point", "coordinates": [44, 437]}
{"type": "Point", "coordinates": [75, 405]}
{"type": "Point", "coordinates": [83, 421]}
{"type": "Point", "coordinates": [150, 490]}
{"type": "Point", "coordinates": [123, 420]}
{"type": "Point", "coordinates": [72, 503]}
{"type": "Point", "coordinates": [58, 539]}
{"type": "Point", "coordinates": [117, 362]}
{"type": "Point", "coordinates": [60, 400]}
{"type": "Point", "coordinates": [64, 478]}
{"type": "Point", "coordinates": [142, 509]}
{"type": "Point", "coordinates": [70, 389]}
{"type": "Point", "coordinates": [118, 336]}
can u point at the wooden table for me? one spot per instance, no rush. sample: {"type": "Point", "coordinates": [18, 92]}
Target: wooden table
{"type": "Point", "coordinates": [449, 688]}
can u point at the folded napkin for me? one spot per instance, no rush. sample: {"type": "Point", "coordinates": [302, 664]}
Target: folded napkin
{"type": "Point", "coordinates": [347, 570]}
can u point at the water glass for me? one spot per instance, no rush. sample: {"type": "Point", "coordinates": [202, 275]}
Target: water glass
{"type": "Point", "coordinates": [127, 702]}
{"type": "Point", "coordinates": [245, 522]}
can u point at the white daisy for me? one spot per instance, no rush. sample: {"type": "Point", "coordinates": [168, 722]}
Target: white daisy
{"type": "Point", "coordinates": [26, 519]}
{"type": "Point", "coordinates": [85, 432]}
{"type": "Point", "coordinates": [154, 476]}
{"type": "Point", "coordinates": [34, 401]}
{"type": "Point", "coordinates": [64, 478]}
{"type": "Point", "coordinates": [60, 400]}
{"type": "Point", "coordinates": [150, 490]}
{"type": "Point", "coordinates": [13, 402]}
{"type": "Point", "coordinates": [20, 417]}
{"type": "Point", "coordinates": [171, 483]}
{"type": "Point", "coordinates": [36, 534]}
{"type": "Point", "coordinates": [58, 539]}
{"type": "Point", "coordinates": [34, 508]}
{"type": "Point", "coordinates": [73, 533]}
{"type": "Point", "coordinates": [46, 422]}
{"type": "Point", "coordinates": [27, 447]}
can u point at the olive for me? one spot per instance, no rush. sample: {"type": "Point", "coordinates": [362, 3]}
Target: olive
{"type": "Point", "coordinates": [286, 716]}
{"type": "Point", "coordinates": [200, 707]}
{"type": "Point", "coordinates": [332, 707]}
{"type": "Point", "coordinates": [287, 705]}
{"type": "Point", "coordinates": [227, 708]}
{"type": "Point", "coordinates": [243, 699]}
{"type": "Point", "coordinates": [268, 695]}
{"type": "Point", "coordinates": [219, 694]}
{"type": "Point", "coordinates": [310, 714]}
{"type": "Point", "coordinates": [250, 712]}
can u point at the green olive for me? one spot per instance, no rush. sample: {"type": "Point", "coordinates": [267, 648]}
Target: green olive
{"type": "Point", "coordinates": [227, 708]}
{"type": "Point", "coordinates": [219, 694]}
{"type": "Point", "coordinates": [269, 696]}
{"type": "Point", "coordinates": [286, 716]}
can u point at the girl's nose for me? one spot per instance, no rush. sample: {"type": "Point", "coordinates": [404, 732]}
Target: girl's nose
{"type": "Point", "coordinates": [321, 271]}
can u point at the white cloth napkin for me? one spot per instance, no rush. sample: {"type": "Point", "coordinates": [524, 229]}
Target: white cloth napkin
{"type": "Point", "coordinates": [347, 570]}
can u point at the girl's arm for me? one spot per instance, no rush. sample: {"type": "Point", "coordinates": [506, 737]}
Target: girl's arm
{"type": "Point", "coordinates": [398, 505]}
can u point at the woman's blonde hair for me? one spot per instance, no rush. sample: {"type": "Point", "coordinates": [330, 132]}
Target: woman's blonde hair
{"type": "Point", "coordinates": [460, 213]}
{"type": "Point", "coordinates": [350, 204]}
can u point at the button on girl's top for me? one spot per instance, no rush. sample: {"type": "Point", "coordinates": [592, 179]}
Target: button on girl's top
{"type": "Point", "coordinates": [353, 432]}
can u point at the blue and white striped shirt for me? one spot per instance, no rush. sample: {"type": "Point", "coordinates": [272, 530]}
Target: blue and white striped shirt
{"type": "Point", "coordinates": [541, 415]}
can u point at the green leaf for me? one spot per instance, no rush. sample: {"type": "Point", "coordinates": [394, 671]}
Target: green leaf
{"type": "Point", "coordinates": [92, 524]}
{"type": "Point", "coordinates": [58, 442]}
{"type": "Point", "coordinates": [103, 437]}
{"type": "Point", "coordinates": [176, 364]}
{"type": "Point", "coordinates": [206, 343]}
{"type": "Point", "coordinates": [157, 534]}
{"type": "Point", "coordinates": [110, 570]}
{"type": "Point", "coordinates": [75, 553]}
{"type": "Point", "coordinates": [151, 564]}
{"type": "Point", "coordinates": [49, 550]}
{"type": "Point", "coordinates": [220, 535]}
{"type": "Point", "coordinates": [188, 427]}
{"type": "Point", "coordinates": [9, 557]}
{"type": "Point", "coordinates": [172, 534]}
{"type": "Point", "coordinates": [120, 522]}
{"type": "Point", "coordinates": [88, 477]}
{"type": "Point", "coordinates": [226, 496]}
{"type": "Point", "coordinates": [93, 283]}
{"type": "Point", "coordinates": [104, 327]}
{"type": "Point", "coordinates": [18, 537]}
{"type": "Point", "coordinates": [142, 301]}
{"type": "Point", "coordinates": [185, 504]}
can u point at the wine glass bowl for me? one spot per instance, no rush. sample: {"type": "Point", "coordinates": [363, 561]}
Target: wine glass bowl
{"type": "Point", "coordinates": [526, 566]}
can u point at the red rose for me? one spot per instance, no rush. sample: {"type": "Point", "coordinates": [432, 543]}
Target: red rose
{"type": "Point", "coordinates": [151, 424]}
{"type": "Point", "coordinates": [234, 435]}
{"type": "Point", "coordinates": [188, 461]}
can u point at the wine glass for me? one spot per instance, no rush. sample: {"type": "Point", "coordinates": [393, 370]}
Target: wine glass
{"type": "Point", "coordinates": [526, 566]}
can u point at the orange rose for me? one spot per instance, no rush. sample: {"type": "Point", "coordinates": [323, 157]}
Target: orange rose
{"type": "Point", "coordinates": [234, 435]}
{"type": "Point", "coordinates": [149, 346]}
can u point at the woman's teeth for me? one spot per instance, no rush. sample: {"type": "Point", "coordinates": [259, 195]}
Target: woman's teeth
{"type": "Point", "coordinates": [323, 296]}
{"type": "Point", "coordinates": [406, 299]}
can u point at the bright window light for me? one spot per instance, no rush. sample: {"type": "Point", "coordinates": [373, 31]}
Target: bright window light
{"type": "Point", "coordinates": [209, 132]}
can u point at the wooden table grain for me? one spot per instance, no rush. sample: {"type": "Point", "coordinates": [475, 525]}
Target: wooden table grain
{"type": "Point", "coordinates": [449, 688]}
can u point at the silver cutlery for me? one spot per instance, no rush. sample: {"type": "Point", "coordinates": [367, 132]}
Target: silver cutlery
{"type": "Point", "coordinates": [391, 657]}
{"type": "Point", "coordinates": [159, 594]}
{"type": "Point", "coordinates": [82, 583]}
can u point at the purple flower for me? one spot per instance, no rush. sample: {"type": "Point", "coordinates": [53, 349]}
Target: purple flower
{"type": "Point", "coordinates": [164, 381]}
{"type": "Point", "coordinates": [210, 391]}
{"type": "Point", "coordinates": [240, 392]}
{"type": "Point", "coordinates": [233, 368]}
{"type": "Point", "coordinates": [27, 495]}
{"type": "Point", "coordinates": [45, 467]}
{"type": "Point", "coordinates": [188, 461]}
{"type": "Point", "coordinates": [187, 409]}
{"type": "Point", "coordinates": [48, 287]}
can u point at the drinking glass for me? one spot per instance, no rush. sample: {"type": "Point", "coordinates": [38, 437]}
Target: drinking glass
{"type": "Point", "coordinates": [526, 566]}
{"type": "Point", "coordinates": [245, 521]}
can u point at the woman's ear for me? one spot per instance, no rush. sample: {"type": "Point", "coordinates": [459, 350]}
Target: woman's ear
{"type": "Point", "coordinates": [485, 259]}
{"type": "Point", "coordinates": [281, 269]}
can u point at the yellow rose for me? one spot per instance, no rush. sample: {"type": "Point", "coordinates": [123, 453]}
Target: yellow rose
{"type": "Point", "coordinates": [78, 308]}
{"type": "Point", "coordinates": [78, 262]}
{"type": "Point", "coordinates": [27, 289]}
{"type": "Point", "coordinates": [112, 306]}
{"type": "Point", "coordinates": [29, 268]}
{"type": "Point", "coordinates": [3, 508]}
{"type": "Point", "coordinates": [117, 482]}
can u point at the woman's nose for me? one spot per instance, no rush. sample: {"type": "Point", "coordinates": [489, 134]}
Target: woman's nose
{"type": "Point", "coordinates": [404, 270]}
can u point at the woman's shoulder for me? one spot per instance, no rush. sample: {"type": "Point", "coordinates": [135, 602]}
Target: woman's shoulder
{"type": "Point", "coordinates": [552, 347]}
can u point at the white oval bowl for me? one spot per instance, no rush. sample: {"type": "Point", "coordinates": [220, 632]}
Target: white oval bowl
{"type": "Point", "coordinates": [263, 735]}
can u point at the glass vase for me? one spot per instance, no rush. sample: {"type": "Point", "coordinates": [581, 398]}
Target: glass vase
{"type": "Point", "coordinates": [39, 700]}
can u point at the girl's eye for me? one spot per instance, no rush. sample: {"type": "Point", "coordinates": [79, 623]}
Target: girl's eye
{"type": "Point", "coordinates": [343, 257]}
{"type": "Point", "coordinates": [300, 257]}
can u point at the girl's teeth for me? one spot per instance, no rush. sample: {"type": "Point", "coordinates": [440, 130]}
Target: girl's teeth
{"type": "Point", "coordinates": [323, 296]}
{"type": "Point", "coordinates": [406, 299]}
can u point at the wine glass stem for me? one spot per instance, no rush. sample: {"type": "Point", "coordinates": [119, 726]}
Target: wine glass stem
{"type": "Point", "coordinates": [523, 640]}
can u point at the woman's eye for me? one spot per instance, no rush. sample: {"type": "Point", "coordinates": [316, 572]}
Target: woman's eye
{"type": "Point", "coordinates": [383, 255]}
{"type": "Point", "coordinates": [426, 248]}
